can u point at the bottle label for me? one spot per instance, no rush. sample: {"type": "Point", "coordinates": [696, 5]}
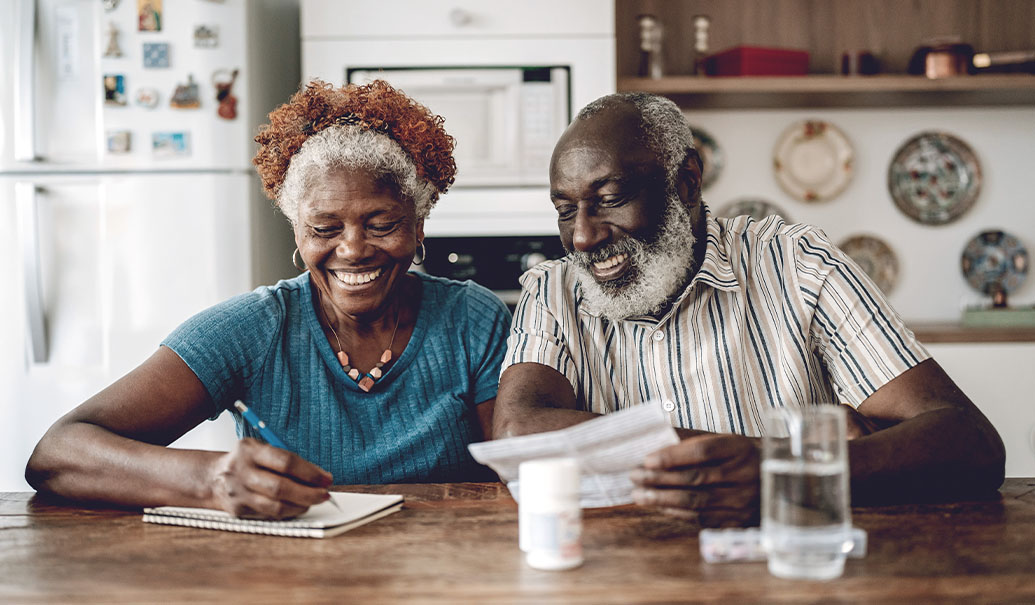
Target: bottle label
{"type": "Point", "coordinates": [559, 533]}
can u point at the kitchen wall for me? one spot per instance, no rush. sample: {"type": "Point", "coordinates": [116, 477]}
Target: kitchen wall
{"type": "Point", "coordinates": [931, 286]}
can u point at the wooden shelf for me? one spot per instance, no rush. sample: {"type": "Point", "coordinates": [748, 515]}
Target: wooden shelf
{"type": "Point", "coordinates": [929, 333]}
{"type": "Point", "coordinates": [838, 91]}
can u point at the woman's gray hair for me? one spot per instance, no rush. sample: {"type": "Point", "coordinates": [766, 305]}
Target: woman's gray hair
{"type": "Point", "coordinates": [352, 146]}
{"type": "Point", "coordinates": [667, 132]}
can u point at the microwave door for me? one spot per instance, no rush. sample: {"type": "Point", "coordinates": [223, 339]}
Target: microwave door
{"type": "Point", "coordinates": [482, 112]}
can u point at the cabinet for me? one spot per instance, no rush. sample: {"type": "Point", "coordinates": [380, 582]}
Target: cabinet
{"type": "Point", "coordinates": [997, 377]}
{"type": "Point", "coordinates": [889, 29]}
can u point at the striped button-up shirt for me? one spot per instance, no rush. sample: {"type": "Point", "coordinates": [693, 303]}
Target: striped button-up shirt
{"type": "Point", "coordinates": [775, 316]}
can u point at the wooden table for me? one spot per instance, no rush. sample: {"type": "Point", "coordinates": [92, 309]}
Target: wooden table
{"type": "Point", "coordinates": [457, 543]}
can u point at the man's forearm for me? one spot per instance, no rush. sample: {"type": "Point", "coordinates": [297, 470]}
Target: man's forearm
{"type": "Point", "coordinates": [936, 455]}
{"type": "Point", "coordinates": [538, 420]}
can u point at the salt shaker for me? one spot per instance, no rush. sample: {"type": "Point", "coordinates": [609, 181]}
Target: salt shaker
{"type": "Point", "coordinates": [650, 47]}
{"type": "Point", "coordinates": [549, 516]}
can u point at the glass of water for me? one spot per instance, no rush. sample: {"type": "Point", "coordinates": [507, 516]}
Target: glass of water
{"type": "Point", "coordinates": [806, 514]}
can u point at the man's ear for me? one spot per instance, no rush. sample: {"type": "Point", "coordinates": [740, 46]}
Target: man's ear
{"type": "Point", "coordinates": [690, 178]}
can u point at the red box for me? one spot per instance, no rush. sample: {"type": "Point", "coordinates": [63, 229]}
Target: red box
{"type": "Point", "coordinates": [758, 61]}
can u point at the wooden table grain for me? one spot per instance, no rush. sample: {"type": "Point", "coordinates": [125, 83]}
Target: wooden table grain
{"type": "Point", "coordinates": [457, 543]}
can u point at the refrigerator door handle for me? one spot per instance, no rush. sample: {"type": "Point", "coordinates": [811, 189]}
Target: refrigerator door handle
{"type": "Point", "coordinates": [25, 82]}
{"type": "Point", "coordinates": [28, 239]}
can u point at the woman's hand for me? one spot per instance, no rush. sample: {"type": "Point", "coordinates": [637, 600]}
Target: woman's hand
{"type": "Point", "coordinates": [261, 481]}
{"type": "Point", "coordinates": [714, 478]}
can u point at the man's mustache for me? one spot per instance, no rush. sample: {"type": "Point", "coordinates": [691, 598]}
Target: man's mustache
{"type": "Point", "coordinates": [626, 245]}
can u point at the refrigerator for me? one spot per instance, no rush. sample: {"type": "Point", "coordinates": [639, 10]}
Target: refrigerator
{"type": "Point", "coordinates": [128, 201]}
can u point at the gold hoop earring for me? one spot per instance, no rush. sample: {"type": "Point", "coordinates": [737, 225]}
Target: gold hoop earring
{"type": "Point", "coordinates": [296, 262]}
{"type": "Point", "coordinates": [423, 254]}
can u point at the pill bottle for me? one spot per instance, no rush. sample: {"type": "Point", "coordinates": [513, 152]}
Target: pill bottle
{"type": "Point", "coordinates": [549, 516]}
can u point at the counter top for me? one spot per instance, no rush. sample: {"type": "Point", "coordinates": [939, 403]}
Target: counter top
{"type": "Point", "coordinates": [949, 332]}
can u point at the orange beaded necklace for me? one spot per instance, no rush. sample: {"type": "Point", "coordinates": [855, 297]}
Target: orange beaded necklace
{"type": "Point", "coordinates": [366, 381]}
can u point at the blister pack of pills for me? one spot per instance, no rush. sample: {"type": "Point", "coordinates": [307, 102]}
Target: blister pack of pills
{"type": "Point", "coordinates": [745, 544]}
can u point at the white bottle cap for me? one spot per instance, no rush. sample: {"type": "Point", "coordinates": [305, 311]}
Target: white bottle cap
{"type": "Point", "coordinates": [548, 479]}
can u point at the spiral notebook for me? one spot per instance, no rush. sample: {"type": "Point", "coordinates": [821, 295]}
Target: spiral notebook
{"type": "Point", "coordinates": [320, 521]}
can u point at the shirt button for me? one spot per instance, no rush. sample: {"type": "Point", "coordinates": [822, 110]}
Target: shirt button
{"type": "Point", "coordinates": [669, 405]}
{"type": "Point", "coordinates": [658, 336]}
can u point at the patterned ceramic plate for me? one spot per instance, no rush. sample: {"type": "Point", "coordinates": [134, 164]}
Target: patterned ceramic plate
{"type": "Point", "coordinates": [934, 178]}
{"type": "Point", "coordinates": [875, 257]}
{"type": "Point", "coordinates": [711, 156]}
{"type": "Point", "coordinates": [813, 161]}
{"type": "Point", "coordinates": [756, 208]}
{"type": "Point", "coordinates": [993, 261]}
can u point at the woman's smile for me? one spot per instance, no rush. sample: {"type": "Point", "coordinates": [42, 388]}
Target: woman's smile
{"type": "Point", "coordinates": [355, 278]}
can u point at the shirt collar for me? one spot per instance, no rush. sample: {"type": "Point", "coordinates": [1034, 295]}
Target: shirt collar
{"type": "Point", "coordinates": [715, 270]}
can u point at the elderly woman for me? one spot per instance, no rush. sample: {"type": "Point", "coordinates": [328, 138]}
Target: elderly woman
{"type": "Point", "coordinates": [369, 373]}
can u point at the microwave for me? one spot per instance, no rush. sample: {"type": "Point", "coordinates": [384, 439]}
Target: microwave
{"type": "Point", "coordinates": [505, 119]}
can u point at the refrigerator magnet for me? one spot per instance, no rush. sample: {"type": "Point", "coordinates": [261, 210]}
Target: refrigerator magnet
{"type": "Point", "coordinates": [186, 95]}
{"type": "Point", "coordinates": [118, 141]}
{"type": "Point", "coordinates": [149, 15]}
{"type": "Point", "coordinates": [114, 89]}
{"type": "Point", "coordinates": [156, 55]}
{"type": "Point", "coordinates": [170, 144]}
{"type": "Point", "coordinates": [223, 80]}
{"type": "Point", "coordinates": [206, 36]}
{"type": "Point", "coordinates": [113, 51]}
{"type": "Point", "coordinates": [147, 98]}
{"type": "Point", "coordinates": [110, 5]}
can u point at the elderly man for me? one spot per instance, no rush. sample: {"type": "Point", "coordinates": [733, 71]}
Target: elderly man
{"type": "Point", "coordinates": [719, 319]}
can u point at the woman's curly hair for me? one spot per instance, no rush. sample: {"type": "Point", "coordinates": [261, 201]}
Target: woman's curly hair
{"type": "Point", "coordinates": [373, 126]}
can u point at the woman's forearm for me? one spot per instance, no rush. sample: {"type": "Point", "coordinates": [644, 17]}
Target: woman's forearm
{"type": "Point", "coordinates": [85, 462]}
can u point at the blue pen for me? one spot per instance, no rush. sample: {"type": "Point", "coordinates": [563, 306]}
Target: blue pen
{"type": "Point", "coordinates": [265, 431]}
{"type": "Point", "coordinates": [257, 424]}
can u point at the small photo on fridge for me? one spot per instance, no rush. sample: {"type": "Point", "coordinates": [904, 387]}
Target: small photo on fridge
{"type": "Point", "coordinates": [206, 36]}
{"type": "Point", "coordinates": [114, 89]}
{"type": "Point", "coordinates": [170, 144]}
{"type": "Point", "coordinates": [118, 141]}
{"type": "Point", "coordinates": [156, 55]}
{"type": "Point", "coordinates": [149, 15]}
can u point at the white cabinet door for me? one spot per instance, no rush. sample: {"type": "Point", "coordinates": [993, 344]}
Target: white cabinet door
{"type": "Point", "coordinates": [999, 379]}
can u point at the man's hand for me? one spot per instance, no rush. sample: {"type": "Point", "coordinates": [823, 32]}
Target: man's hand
{"type": "Point", "coordinates": [712, 477]}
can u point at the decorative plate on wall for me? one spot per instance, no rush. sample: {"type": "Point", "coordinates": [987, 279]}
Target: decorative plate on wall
{"type": "Point", "coordinates": [754, 207]}
{"type": "Point", "coordinates": [994, 261]}
{"type": "Point", "coordinates": [712, 160]}
{"type": "Point", "coordinates": [813, 161]}
{"type": "Point", "coordinates": [875, 257]}
{"type": "Point", "coordinates": [934, 178]}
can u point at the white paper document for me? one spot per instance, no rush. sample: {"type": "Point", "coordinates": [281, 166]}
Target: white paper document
{"type": "Point", "coordinates": [606, 448]}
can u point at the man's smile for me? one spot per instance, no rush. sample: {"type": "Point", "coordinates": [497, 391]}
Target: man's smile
{"type": "Point", "coordinates": [611, 267]}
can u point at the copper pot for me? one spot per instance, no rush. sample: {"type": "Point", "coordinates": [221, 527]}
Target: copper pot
{"type": "Point", "coordinates": [947, 60]}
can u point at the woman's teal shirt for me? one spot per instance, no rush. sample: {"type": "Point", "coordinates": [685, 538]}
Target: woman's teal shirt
{"type": "Point", "coordinates": [267, 348]}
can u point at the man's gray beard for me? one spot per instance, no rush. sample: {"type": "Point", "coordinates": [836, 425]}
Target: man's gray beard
{"type": "Point", "coordinates": [661, 268]}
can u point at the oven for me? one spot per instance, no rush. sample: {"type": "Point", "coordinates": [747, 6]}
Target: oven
{"type": "Point", "coordinates": [494, 262]}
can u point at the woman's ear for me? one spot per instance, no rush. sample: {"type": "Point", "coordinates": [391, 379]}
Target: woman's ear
{"type": "Point", "coordinates": [420, 230]}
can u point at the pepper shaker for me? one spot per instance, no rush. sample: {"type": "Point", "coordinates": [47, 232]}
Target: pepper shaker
{"type": "Point", "coordinates": [701, 23]}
